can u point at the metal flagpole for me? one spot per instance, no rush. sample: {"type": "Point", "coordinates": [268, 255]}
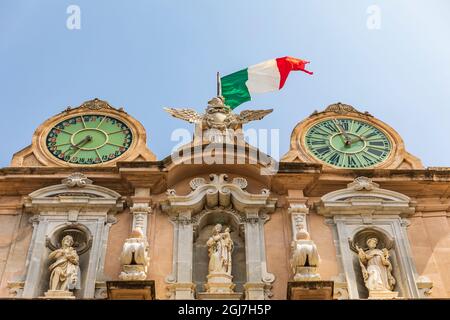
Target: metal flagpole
{"type": "Point", "coordinates": [219, 85]}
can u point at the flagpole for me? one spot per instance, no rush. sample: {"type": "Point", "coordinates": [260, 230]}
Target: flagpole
{"type": "Point", "coordinates": [219, 85]}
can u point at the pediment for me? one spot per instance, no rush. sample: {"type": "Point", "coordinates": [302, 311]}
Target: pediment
{"type": "Point", "coordinates": [364, 196]}
{"type": "Point", "coordinates": [74, 191]}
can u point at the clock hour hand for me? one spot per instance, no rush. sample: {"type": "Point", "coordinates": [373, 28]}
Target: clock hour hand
{"type": "Point", "coordinates": [82, 142]}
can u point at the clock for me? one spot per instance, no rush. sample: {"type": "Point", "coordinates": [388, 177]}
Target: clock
{"type": "Point", "coordinates": [346, 142]}
{"type": "Point", "coordinates": [89, 139]}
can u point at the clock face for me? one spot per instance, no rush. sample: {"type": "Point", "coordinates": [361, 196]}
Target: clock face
{"type": "Point", "coordinates": [348, 143]}
{"type": "Point", "coordinates": [89, 139]}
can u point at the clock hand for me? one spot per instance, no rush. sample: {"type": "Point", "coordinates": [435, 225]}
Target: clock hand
{"type": "Point", "coordinates": [82, 142]}
{"type": "Point", "coordinates": [357, 139]}
{"type": "Point", "coordinates": [347, 140]}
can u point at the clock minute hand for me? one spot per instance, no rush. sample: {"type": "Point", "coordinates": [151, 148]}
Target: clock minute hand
{"type": "Point", "coordinates": [348, 141]}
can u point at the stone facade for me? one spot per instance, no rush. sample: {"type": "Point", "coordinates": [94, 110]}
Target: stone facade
{"type": "Point", "coordinates": [400, 202]}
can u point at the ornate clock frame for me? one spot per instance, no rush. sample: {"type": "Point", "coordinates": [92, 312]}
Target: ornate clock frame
{"type": "Point", "coordinates": [37, 153]}
{"type": "Point", "coordinates": [398, 157]}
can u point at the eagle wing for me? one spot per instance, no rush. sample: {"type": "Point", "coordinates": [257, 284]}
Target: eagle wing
{"type": "Point", "coordinates": [251, 115]}
{"type": "Point", "coordinates": [185, 114]}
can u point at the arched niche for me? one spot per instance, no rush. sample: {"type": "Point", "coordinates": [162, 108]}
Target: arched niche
{"type": "Point", "coordinates": [76, 207]}
{"type": "Point", "coordinates": [385, 240]}
{"type": "Point", "coordinates": [83, 240]}
{"type": "Point", "coordinates": [361, 210]}
{"type": "Point", "coordinates": [202, 231]}
{"type": "Point", "coordinates": [219, 198]}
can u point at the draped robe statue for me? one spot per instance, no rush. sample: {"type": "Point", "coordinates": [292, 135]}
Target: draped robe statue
{"type": "Point", "coordinates": [376, 267]}
{"type": "Point", "coordinates": [220, 247]}
{"type": "Point", "coordinates": [65, 271]}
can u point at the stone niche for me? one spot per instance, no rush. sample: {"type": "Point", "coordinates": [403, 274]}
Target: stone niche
{"type": "Point", "coordinates": [200, 255]}
{"type": "Point", "coordinates": [78, 208]}
{"type": "Point", "coordinates": [219, 201]}
{"type": "Point", "coordinates": [361, 211]}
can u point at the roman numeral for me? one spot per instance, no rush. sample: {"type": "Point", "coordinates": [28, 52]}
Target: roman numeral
{"type": "Point", "coordinates": [351, 161]}
{"type": "Point", "coordinates": [316, 142]}
{"type": "Point", "coordinates": [334, 159]}
{"type": "Point", "coordinates": [371, 135]}
{"type": "Point", "coordinates": [378, 153]}
{"type": "Point", "coordinates": [323, 151]}
{"type": "Point", "coordinates": [359, 128]}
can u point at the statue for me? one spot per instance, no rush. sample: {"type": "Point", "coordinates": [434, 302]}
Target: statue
{"type": "Point", "coordinates": [376, 268]}
{"type": "Point", "coordinates": [218, 115]}
{"type": "Point", "coordinates": [220, 247]}
{"type": "Point", "coordinates": [134, 257]}
{"type": "Point", "coordinates": [65, 271]}
{"type": "Point", "coordinates": [305, 258]}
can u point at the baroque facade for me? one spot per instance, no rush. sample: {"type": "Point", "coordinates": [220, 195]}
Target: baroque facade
{"type": "Point", "coordinates": [347, 212]}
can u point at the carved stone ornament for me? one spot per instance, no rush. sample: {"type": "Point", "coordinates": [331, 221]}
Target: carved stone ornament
{"type": "Point", "coordinates": [96, 104]}
{"type": "Point", "coordinates": [218, 115]}
{"type": "Point", "coordinates": [341, 108]}
{"type": "Point", "coordinates": [76, 180]}
{"type": "Point", "coordinates": [305, 258]}
{"type": "Point", "coordinates": [134, 257]}
{"type": "Point", "coordinates": [218, 184]}
{"type": "Point", "coordinates": [363, 183]}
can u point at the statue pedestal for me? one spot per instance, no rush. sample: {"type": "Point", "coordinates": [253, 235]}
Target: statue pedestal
{"type": "Point", "coordinates": [131, 290]}
{"type": "Point", "coordinates": [219, 296]}
{"type": "Point", "coordinates": [306, 274]}
{"type": "Point", "coordinates": [133, 272]}
{"type": "Point", "coordinates": [219, 287]}
{"type": "Point", "coordinates": [219, 283]}
{"type": "Point", "coordinates": [58, 294]}
{"type": "Point", "coordinates": [310, 290]}
{"type": "Point", "coordinates": [382, 295]}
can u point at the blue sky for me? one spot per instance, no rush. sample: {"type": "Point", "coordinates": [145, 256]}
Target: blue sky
{"type": "Point", "coordinates": [144, 55]}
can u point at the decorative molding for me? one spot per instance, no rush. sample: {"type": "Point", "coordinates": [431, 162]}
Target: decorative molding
{"type": "Point", "coordinates": [362, 183]}
{"type": "Point", "coordinates": [217, 192]}
{"type": "Point", "coordinates": [365, 198]}
{"type": "Point", "coordinates": [97, 104]}
{"type": "Point", "coordinates": [342, 108]}
{"type": "Point", "coordinates": [76, 179]}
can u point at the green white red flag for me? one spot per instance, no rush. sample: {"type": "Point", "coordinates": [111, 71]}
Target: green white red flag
{"type": "Point", "coordinates": [267, 76]}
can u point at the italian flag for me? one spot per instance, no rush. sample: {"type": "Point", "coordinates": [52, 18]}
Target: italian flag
{"type": "Point", "coordinates": [267, 76]}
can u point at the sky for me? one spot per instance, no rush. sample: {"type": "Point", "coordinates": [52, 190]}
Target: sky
{"type": "Point", "coordinates": [145, 55]}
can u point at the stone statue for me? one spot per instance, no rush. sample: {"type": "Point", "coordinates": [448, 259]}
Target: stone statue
{"type": "Point", "coordinates": [305, 258]}
{"type": "Point", "coordinates": [376, 267]}
{"type": "Point", "coordinates": [65, 271]}
{"type": "Point", "coordinates": [134, 257]}
{"type": "Point", "coordinates": [220, 247]}
{"type": "Point", "coordinates": [218, 115]}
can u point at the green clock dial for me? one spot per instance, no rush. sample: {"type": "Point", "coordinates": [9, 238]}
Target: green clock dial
{"type": "Point", "coordinates": [89, 139]}
{"type": "Point", "coordinates": [348, 143]}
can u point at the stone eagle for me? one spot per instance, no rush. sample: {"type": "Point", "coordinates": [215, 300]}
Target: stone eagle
{"type": "Point", "coordinates": [218, 115]}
